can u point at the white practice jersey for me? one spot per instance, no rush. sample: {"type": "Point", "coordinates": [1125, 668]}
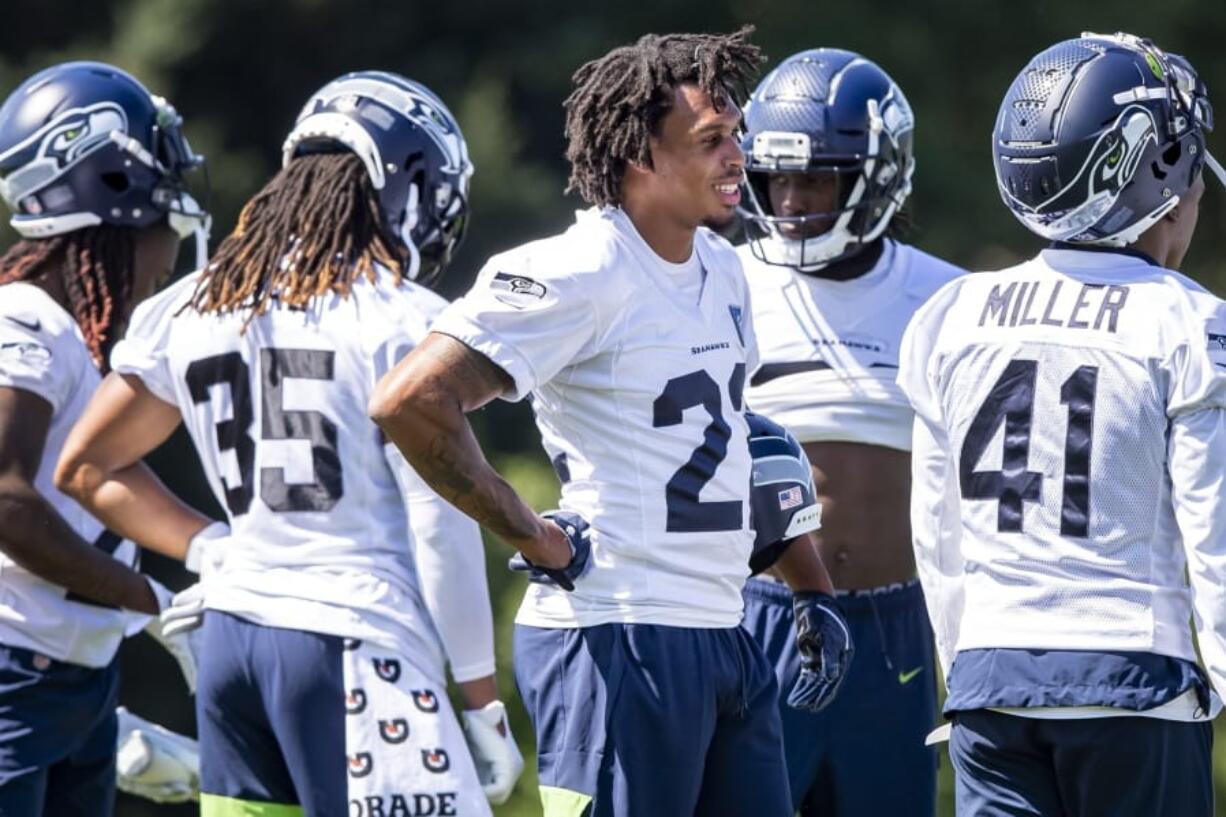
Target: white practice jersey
{"type": "Point", "coordinates": [323, 537]}
{"type": "Point", "coordinates": [43, 352]}
{"type": "Point", "coordinates": [1069, 458]}
{"type": "Point", "coordinates": [637, 390]}
{"type": "Point", "coordinates": [829, 349]}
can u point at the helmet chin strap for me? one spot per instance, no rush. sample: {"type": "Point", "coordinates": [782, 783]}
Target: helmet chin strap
{"type": "Point", "coordinates": [189, 220]}
{"type": "Point", "coordinates": [1215, 166]}
{"type": "Point", "coordinates": [407, 225]}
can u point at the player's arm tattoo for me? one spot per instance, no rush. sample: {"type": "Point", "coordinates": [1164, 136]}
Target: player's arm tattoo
{"type": "Point", "coordinates": [421, 406]}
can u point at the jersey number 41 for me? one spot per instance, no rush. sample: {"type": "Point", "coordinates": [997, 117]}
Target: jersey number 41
{"type": "Point", "coordinates": [1011, 401]}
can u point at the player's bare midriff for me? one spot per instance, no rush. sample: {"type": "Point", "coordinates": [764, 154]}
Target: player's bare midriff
{"type": "Point", "coordinates": [865, 490]}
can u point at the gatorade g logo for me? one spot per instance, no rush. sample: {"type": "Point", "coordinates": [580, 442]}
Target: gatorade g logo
{"type": "Point", "coordinates": [360, 764]}
{"type": "Point", "coordinates": [436, 761]}
{"type": "Point", "coordinates": [425, 700]}
{"type": "Point", "coordinates": [396, 731]}
{"type": "Point", "coordinates": [355, 701]}
{"type": "Point", "coordinates": [388, 669]}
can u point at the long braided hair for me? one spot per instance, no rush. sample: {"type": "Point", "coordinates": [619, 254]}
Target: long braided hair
{"type": "Point", "coordinates": [314, 228]}
{"type": "Point", "coordinates": [94, 268]}
{"type": "Point", "coordinates": [619, 100]}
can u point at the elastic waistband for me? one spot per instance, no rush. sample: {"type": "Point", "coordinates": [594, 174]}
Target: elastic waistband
{"type": "Point", "coordinates": [899, 593]}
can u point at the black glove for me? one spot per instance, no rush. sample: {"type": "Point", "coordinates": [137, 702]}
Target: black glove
{"type": "Point", "coordinates": [824, 642]}
{"type": "Point", "coordinates": [578, 532]}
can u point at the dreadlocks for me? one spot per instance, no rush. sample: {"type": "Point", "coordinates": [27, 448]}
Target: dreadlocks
{"type": "Point", "coordinates": [313, 229]}
{"type": "Point", "coordinates": [94, 267]}
{"type": "Point", "coordinates": [620, 99]}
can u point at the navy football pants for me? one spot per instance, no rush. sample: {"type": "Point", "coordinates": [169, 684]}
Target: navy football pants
{"type": "Point", "coordinates": [1009, 766]}
{"type": "Point", "coordinates": [864, 754]}
{"type": "Point", "coordinates": [636, 720]}
{"type": "Point", "coordinates": [57, 737]}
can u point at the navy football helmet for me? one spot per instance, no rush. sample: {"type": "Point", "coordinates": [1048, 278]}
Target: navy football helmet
{"type": "Point", "coordinates": [413, 151]}
{"type": "Point", "coordinates": [84, 143]}
{"type": "Point", "coordinates": [1099, 137]}
{"type": "Point", "coordinates": [783, 501]}
{"type": "Point", "coordinates": [835, 111]}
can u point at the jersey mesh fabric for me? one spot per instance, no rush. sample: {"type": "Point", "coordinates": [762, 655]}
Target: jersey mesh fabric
{"type": "Point", "coordinates": [639, 391]}
{"type": "Point", "coordinates": [829, 349]}
{"type": "Point", "coordinates": [277, 414]}
{"type": "Point", "coordinates": [43, 352]}
{"type": "Point", "coordinates": [1076, 546]}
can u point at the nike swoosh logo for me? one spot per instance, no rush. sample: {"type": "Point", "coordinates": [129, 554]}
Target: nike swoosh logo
{"type": "Point", "coordinates": [34, 326]}
{"type": "Point", "coordinates": [905, 677]}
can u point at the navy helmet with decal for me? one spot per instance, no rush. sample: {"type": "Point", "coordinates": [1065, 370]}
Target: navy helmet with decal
{"type": "Point", "coordinates": [783, 501]}
{"type": "Point", "coordinates": [413, 151]}
{"type": "Point", "coordinates": [1098, 137]}
{"type": "Point", "coordinates": [83, 144]}
{"type": "Point", "coordinates": [827, 110]}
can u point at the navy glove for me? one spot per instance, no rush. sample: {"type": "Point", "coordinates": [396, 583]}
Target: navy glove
{"type": "Point", "coordinates": [825, 649]}
{"type": "Point", "coordinates": [577, 531]}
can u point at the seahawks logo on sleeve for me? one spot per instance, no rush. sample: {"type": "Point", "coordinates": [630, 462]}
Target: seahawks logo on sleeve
{"type": "Point", "coordinates": [517, 291]}
{"type": "Point", "coordinates": [33, 354]}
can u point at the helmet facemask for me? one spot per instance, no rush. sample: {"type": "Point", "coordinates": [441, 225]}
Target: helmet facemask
{"type": "Point", "coordinates": [872, 186]}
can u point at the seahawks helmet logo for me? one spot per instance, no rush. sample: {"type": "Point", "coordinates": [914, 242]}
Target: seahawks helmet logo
{"type": "Point", "coordinates": [436, 760]}
{"type": "Point", "coordinates": [394, 731]}
{"type": "Point", "coordinates": [59, 145]}
{"type": "Point", "coordinates": [387, 668]}
{"type": "Point", "coordinates": [436, 124]}
{"type": "Point", "coordinates": [355, 701]}
{"type": "Point", "coordinates": [415, 102]}
{"type": "Point", "coordinates": [360, 764]}
{"type": "Point", "coordinates": [425, 700]}
{"type": "Point", "coordinates": [1110, 166]}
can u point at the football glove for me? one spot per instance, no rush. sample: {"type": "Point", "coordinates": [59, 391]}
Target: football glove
{"type": "Point", "coordinates": [497, 758]}
{"type": "Point", "coordinates": [185, 612]}
{"type": "Point", "coordinates": [155, 763]}
{"type": "Point", "coordinates": [175, 641]}
{"type": "Point", "coordinates": [578, 533]}
{"type": "Point", "coordinates": [825, 647]}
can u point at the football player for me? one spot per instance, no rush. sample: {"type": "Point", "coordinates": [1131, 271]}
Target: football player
{"type": "Point", "coordinates": [828, 147]}
{"type": "Point", "coordinates": [1068, 454]}
{"type": "Point", "coordinates": [632, 332]}
{"type": "Point", "coordinates": [93, 167]}
{"type": "Point", "coordinates": [342, 580]}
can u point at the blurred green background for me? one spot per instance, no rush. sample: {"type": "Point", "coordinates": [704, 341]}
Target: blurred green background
{"type": "Point", "coordinates": [238, 70]}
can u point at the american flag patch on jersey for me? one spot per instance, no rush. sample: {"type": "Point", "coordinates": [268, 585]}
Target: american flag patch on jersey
{"type": "Point", "coordinates": [1217, 349]}
{"type": "Point", "coordinates": [790, 498]}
